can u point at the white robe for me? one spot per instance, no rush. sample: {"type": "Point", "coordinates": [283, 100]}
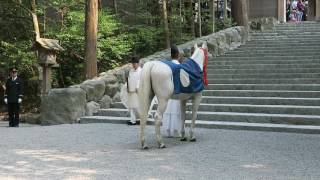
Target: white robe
{"type": "Point", "coordinates": [133, 81]}
{"type": "Point", "coordinates": [172, 116]}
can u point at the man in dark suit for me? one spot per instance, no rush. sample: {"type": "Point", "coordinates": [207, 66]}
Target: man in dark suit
{"type": "Point", "coordinates": [13, 97]}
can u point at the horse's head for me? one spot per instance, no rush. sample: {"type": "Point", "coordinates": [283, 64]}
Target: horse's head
{"type": "Point", "coordinates": [200, 56]}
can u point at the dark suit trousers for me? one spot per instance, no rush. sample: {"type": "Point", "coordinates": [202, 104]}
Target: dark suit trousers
{"type": "Point", "coordinates": [13, 109]}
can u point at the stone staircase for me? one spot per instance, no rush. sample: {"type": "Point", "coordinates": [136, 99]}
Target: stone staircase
{"type": "Point", "coordinates": [271, 83]}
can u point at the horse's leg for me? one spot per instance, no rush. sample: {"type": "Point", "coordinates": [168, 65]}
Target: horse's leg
{"type": "Point", "coordinates": [158, 118]}
{"type": "Point", "coordinates": [143, 122]}
{"type": "Point", "coordinates": [195, 106]}
{"type": "Point", "coordinates": [145, 96]}
{"type": "Point", "coordinates": [183, 119]}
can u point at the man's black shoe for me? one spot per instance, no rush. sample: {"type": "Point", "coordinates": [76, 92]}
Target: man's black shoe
{"type": "Point", "coordinates": [133, 123]}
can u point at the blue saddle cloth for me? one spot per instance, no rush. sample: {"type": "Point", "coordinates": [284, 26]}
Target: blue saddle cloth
{"type": "Point", "coordinates": [195, 76]}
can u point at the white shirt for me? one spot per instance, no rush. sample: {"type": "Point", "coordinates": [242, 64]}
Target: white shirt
{"type": "Point", "coordinates": [294, 5]}
{"type": "Point", "coordinates": [134, 79]}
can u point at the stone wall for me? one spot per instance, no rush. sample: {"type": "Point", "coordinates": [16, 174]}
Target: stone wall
{"type": "Point", "coordinates": [261, 24]}
{"type": "Point", "coordinates": [67, 105]}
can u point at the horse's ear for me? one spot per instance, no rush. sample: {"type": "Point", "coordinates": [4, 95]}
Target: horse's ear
{"type": "Point", "coordinates": [204, 45]}
{"type": "Point", "coordinates": [195, 46]}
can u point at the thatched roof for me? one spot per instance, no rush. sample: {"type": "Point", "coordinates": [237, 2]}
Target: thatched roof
{"type": "Point", "coordinates": [49, 44]}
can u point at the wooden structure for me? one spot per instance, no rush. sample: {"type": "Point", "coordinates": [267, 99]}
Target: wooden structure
{"type": "Point", "coordinates": [47, 52]}
{"type": "Point", "coordinates": [272, 8]}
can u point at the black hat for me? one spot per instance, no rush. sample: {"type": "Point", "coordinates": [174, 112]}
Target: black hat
{"type": "Point", "coordinates": [174, 50]}
{"type": "Point", "coordinates": [13, 69]}
{"type": "Point", "coordinates": [134, 59]}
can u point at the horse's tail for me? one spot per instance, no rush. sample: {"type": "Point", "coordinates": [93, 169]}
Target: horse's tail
{"type": "Point", "coordinates": [145, 96]}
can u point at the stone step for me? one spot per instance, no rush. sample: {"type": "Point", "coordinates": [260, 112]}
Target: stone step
{"type": "Point", "coordinates": [264, 75]}
{"type": "Point", "coordinates": [290, 87]}
{"type": "Point", "coordinates": [225, 57]}
{"type": "Point", "coordinates": [293, 35]}
{"type": "Point", "coordinates": [235, 117]}
{"type": "Point", "coordinates": [270, 44]}
{"type": "Point", "coordinates": [283, 42]}
{"type": "Point", "coordinates": [251, 100]}
{"type": "Point", "coordinates": [265, 81]}
{"type": "Point", "coordinates": [218, 125]}
{"type": "Point", "coordinates": [262, 93]}
{"type": "Point", "coordinates": [269, 109]}
{"type": "Point", "coordinates": [205, 110]}
{"type": "Point", "coordinates": [258, 127]}
{"type": "Point", "coordinates": [301, 23]}
{"type": "Point", "coordinates": [263, 66]}
{"type": "Point", "coordinates": [260, 118]}
{"type": "Point", "coordinates": [261, 71]}
{"type": "Point", "coordinates": [257, 54]}
{"type": "Point", "coordinates": [302, 48]}
{"type": "Point", "coordinates": [261, 100]}
{"type": "Point", "coordinates": [298, 26]}
{"type": "Point", "coordinates": [284, 34]}
{"type": "Point", "coordinates": [289, 35]}
{"type": "Point", "coordinates": [295, 28]}
{"type": "Point", "coordinates": [119, 108]}
{"type": "Point", "coordinates": [274, 33]}
{"type": "Point", "coordinates": [283, 37]}
{"type": "Point", "coordinates": [298, 31]}
{"type": "Point", "coordinates": [273, 51]}
{"type": "Point", "coordinates": [242, 62]}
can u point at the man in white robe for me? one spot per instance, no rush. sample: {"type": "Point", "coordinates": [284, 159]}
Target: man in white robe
{"type": "Point", "coordinates": [172, 116]}
{"type": "Point", "coordinates": [133, 85]}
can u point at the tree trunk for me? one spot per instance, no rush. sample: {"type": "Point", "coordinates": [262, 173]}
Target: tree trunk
{"type": "Point", "coordinates": [165, 23]}
{"type": "Point", "coordinates": [35, 19]}
{"type": "Point", "coordinates": [199, 16]}
{"type": "Point", "coordinates": [180, 19]}
{"type": "Point", "coordinates": [317, 10]}
{"type": "Point", "coordinates": [311, 10]}
{"type": "Point", "coordinates": [91, 31]}
{"type": "Point", "coordinates": [240, 12]}
{"type": "Point", "coordinates": [213, 16]}
{"type": "Point", "coordinates": [44, 17]}
{"type": "Point", "coordinates": [62, 20]}
{"type": "Point", "coordinates": [115, 6]}
{"type": "Point", "coordinates": [192, 25]}
{"type": "Point", "coordinates": [225, 11]}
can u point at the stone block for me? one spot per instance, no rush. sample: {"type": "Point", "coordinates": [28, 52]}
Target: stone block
{"type": "Point", "coordinates": [92, 108]}
{"type": "Point", "coordinates": [94, 89]}
{"type": "Point", "coordinates": [63, 106]}
{"type": "Point", "coordinates": [112, 89]}
{"type": "Point", "coordinates": [105, 102]}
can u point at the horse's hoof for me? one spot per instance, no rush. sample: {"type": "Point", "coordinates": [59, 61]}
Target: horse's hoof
{"type": "Point", "coordinates": [162, 146]}
{"type": "Point", "coordinates": [183, 139]}
{"type": "Point", "coordinates": [193, 139]}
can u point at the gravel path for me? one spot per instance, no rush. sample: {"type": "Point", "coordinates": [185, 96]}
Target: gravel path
{"type": "Point", "coordinates": [109, 151]}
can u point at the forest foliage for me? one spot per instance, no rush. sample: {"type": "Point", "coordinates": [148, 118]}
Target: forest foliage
{"type": "Point", "coordinates": [130, 27]}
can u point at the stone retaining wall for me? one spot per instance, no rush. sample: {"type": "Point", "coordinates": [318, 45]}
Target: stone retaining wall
{"type": "Point", "coordinates": [67, 105]}
{"type": "Point", "coordinates": [262, 24]}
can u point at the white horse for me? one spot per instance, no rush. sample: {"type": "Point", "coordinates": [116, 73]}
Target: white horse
{"type": "Point", "coordinates": [156, 80]}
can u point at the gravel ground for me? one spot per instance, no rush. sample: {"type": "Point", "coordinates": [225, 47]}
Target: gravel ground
{"type": "Point", "coordinates": [110, 151]}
